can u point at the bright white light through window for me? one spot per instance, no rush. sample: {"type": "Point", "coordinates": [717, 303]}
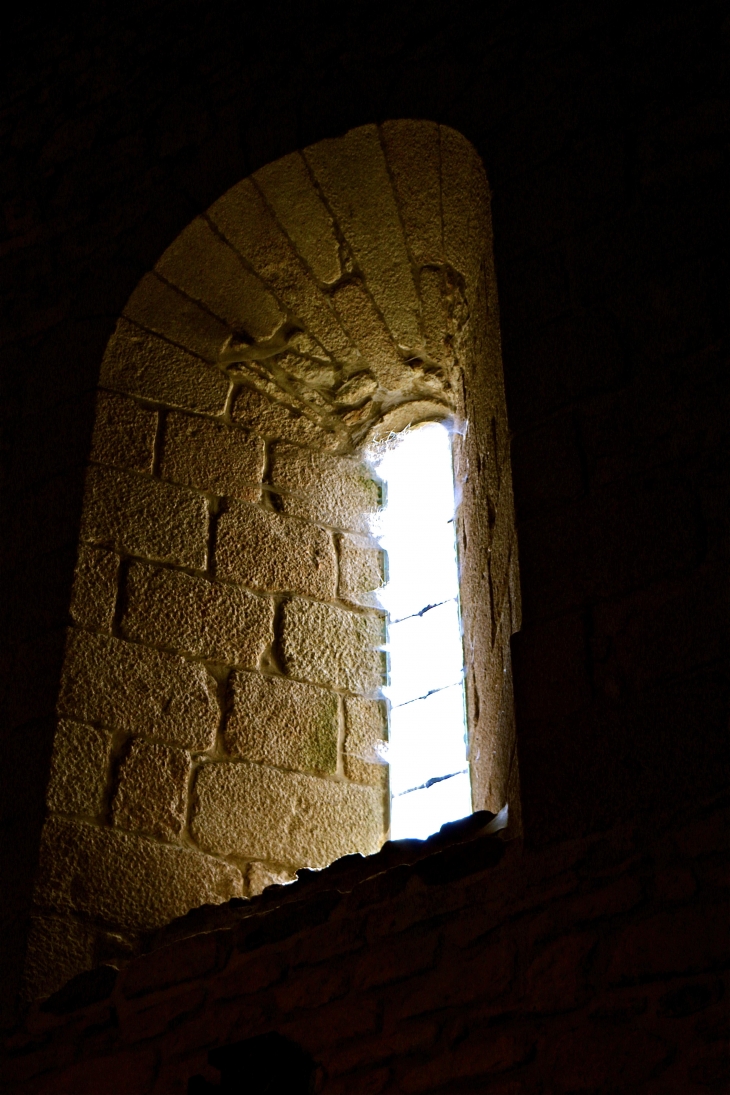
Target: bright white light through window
{"type": "Point", "coordinates": [429, 773]}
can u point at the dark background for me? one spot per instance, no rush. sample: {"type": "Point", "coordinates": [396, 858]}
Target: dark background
{"type": "Point", "coordinates": [604, 131]}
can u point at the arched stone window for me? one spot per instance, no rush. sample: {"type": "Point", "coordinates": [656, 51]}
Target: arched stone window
{"type": "Point", "coordinates": [219, 713]}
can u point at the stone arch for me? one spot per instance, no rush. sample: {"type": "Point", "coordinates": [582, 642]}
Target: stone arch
{"type": "Point", "coordinates": [218, 710]}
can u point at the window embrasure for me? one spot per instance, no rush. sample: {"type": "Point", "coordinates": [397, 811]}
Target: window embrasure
{"type": "Point", "coordinates": [220, 705]}
{"type": "Point", "coordinates": [427, 754]}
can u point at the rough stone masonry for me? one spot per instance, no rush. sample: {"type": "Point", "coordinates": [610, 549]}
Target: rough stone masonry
{"type": "Point", "coordinates": [220, 705]}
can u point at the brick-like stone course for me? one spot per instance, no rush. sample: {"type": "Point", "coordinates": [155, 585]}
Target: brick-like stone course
{"type": "Point", "coordinates": [275, 420]}
{"type": "Point", "coordinates": [288, 188]}
{"type": "Point", "coordinates": [328, 646]}
{"type": "Point", "coordinates": [139, 515]}
{"type": "Point", "coordinates": [210, 455]}
{"type": "Point", "coordinates": [194, 616]}
{"type": "Point", "coordinates": [127, 880]}
{"type": "Point", "coordinates": [128, 687]}
{"type": "Point", "coordinates": [261, 549]}
{"type": "Point", "coordinates": [152, 789]}
{"type": "Point", "coordinates": [262, 813]}
{"type": "Point", "coordinates": [366, 729]}
{"type": "Point", "coordinates": [94, 591]}
{"type": "Point", "coordinates": [79, 769]}
{"type": "Point", "coordinates": [327, 489]}
{"type": "Point", "coordinates": [124, 433]}
{"type": "Point", "coordinates": [279, 722]}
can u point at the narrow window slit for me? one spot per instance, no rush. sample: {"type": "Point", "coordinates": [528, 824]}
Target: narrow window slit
{"type": "Point", "coordinates": [427, 752]}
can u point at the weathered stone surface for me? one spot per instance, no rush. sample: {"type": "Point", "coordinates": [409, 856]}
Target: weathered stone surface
{"type": "Point", "coordinates": [212, 456]}
{"type": "Point", "coordinates": [330, 646]}
{"type": "Point", "coordinates": [205, 619]}
{"type": "Point", "coordinates": [362, 570]}
{"type": "Point", "coordinates": [243, 217]}
{"type": "Point", "coordinates": [323, 374]}
{"type": "Point", "coordinates": [267, 551]}
{"type": "Point", "coordinates": [357, 389]}
{"type": "Point", "coordinates": [366, 728]}
{"type": "Point", "coordinates": [332, 490]}
{"type": "Point", "coordinates": [275, 421]}
{"type": "Point", "coordinates": [287, 187]}
{"type": "Point", "coordinates": [152, 790]}
{"type": "Point", "coordinates": [185, 960]}
{"type": "Point", "coordinates": [248, 810]}
{"type": "Point", "coordinates": [684, 940]}
{"type": "Point", "coordinates": [79, 769]}
{"type": "Point", "coordinates": [162, 308]}
{"type": "Point", "coordinates": [145, 517]}
{"type": "Point", "coordinates": [58, 949]}
{"type": "Point", "coordinates": [210, 271]}
{"type": "Point", "coordinates": [361, 320]}
{"type": "Point", "coordinates": [140, 364]}
{"type": "Point", "coordinates": [436, 321]}
{"type": "Point", "coordinates": [354, 178]}
{"type": "Point", "coordinates": [127, 687]}
{"type": "Point", "coordinates": [124, 879]}
{"type": "Point", "coordinates": [478, 1057]}
{"type": "Point", "coordinates": [259, 876]}
{"type": "Point", "coordinates": [465, 205]}
{"type": "Point", "coordinates": [412, 150]}
{"type": "Point", "coordinates": [124, 433]}
{"type": "Point", "coordinates": [94, 591]}
{"type": "Point", "coordinates": [280, 722]}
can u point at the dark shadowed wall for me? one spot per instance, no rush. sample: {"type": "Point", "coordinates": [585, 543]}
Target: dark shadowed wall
{"type": "Point", "coordinates": [604, 132]}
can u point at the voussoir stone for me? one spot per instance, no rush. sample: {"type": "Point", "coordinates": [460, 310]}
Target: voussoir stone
{"type": "Point", "coordinates": [329, 489]}
{"type": "Point", "coordinates": [210, 271]}
{"type": "Point", "coordinates": [288, 187]}
{"type": "Point", "coordinates": [354, 178]}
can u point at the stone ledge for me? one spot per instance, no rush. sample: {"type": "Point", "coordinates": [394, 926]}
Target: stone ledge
{"type": "Point", "coordinates": [461, 847]}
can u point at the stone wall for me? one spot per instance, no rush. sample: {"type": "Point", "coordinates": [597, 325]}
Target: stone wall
{"type": "Point", "coordinates": [461, 965]}
{"type": "Point", "coordinates": [603, 131]}
{"type": "Point", "coordinates": [219, 704]}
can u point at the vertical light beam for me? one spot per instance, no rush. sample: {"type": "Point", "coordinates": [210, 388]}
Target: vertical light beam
{"type": "Point", "coordinates": [429, 772]}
